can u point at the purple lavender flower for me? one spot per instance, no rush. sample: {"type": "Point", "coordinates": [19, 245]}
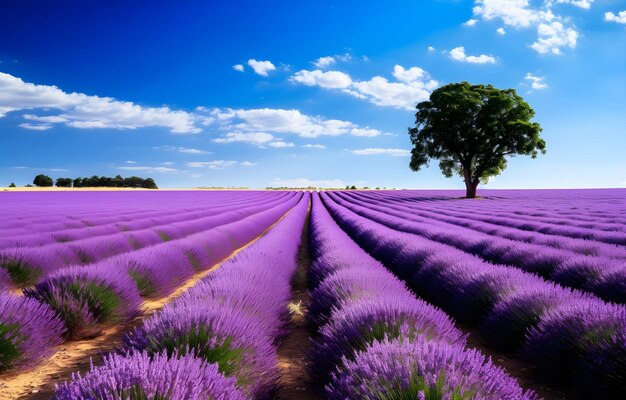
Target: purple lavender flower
{"type": "Point", "coordinates": [421, 369]}
{"type": "Point", "coordinates": [141, 376]}
{"type": "Point", "coordinates": [29, 331]}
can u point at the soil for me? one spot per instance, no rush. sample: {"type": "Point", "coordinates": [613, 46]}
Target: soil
{"type": "Point", "coordinates": [293, 351]}
{"type": "Point", "coordinates": [77, 355]}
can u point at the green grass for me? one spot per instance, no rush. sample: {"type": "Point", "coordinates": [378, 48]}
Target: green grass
{"type": "Point", "coordinates": [9, 342]}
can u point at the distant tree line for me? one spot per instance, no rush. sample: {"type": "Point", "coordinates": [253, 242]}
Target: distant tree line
{"type": "Point", "coordinates": [42, 180]}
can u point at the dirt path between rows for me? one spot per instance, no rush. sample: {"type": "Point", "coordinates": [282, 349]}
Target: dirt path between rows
{"type": "Point", "coordinates": [293, 351]}
{"type": "Point", "coordinates": [73, 356]}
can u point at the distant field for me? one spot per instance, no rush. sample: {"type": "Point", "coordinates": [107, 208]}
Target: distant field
{"type": "Point", "coordinates": [336, 294]}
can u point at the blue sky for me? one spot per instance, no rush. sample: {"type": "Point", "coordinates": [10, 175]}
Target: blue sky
{"type": "Point", "coordinates": [200, 93]}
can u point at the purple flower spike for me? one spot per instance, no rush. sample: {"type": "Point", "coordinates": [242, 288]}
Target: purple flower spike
{"type": "Point", "coordinates": [421, 369]}
{"type": "Point", "coordinates": [29, 331]}
{"type": "Point", "coordinates": [140, 376]}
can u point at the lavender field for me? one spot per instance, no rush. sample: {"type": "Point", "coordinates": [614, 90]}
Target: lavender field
{"type": "Point", "coordinates": [519, 294]}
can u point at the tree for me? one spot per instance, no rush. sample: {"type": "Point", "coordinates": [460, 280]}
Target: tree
{"type": "Point", "coordinates": [78, 182]}
{"type": "Point", "coordinates": [471, 129]}
{"type": "Point", "coordinates": [149, 183]}
{"type": "Point", "coordinates": [64, 182]}
{"type": "Point", "coordinates": [43, 180]}
{"type": "Point", "coordinates": [12, 185]}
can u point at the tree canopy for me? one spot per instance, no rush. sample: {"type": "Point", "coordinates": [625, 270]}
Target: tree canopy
{"type": "Point", "coordinates": [471, 129]}
{"type": "Point", "coordinates": [43, 180]}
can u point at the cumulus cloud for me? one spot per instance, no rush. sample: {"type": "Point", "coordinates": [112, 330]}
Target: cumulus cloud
{"type": "Point", "coordinates": [257, 138]}
{"type": "Point", "coordinates": [500, 31]}
{"type": "Point", "coordinates": [314, 146]}
{"type": "Point", "coordinates": [413, 86]}
{"type": "Point", "coordinates": [248, 164]}
{"type": "Point", "coordinates": [280, 144]}
{"type": "Point", "coordinates": [324, 62]}
{"type": "Point", "coordinates": [376, 151]}
{"type": "Point", "coordinates": [536, 82]}
{"type": "Point", "coordinates": [620, 18]}
{"type": "Point", "coordinates": [458, 54]}
{"type": "Point", "coordinates": [238, 67]}
{"type": "Point", "coordinates": [79, 110]}
{"type": "Point", "coordinates": [554, 36]}
{"type": "Point", "coordinates": [280, 121]}
{"type": "Point", "coordinates": [328, 80]}
{"type": "Point", "coordinates": [552, 33]}
{"type": "Point", "coordinates": [305, 182]}
{"type": "Point", "coordinates": [470, 22]}
{"type": "Point", "coordinates": [261, 67]}
{"type": "Point", "coordinates": [35, 127]}
{"type": "Point", "coordinates": [431, 48]}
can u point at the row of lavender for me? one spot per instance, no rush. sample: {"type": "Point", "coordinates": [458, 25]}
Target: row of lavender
{"type": "Point", "coordinates": [114, 221]}
{"type": "Point", "coordinates": [25, 266]}
{"type": "Point", "coordinates": [601, 275]}
{"type": "Point", "coordinates": [585, 214]}
{"type": "Point", "coordinates": [571, 338]}
{"type": "Point", "coordinates": [217, 340]}
{"type": "Point", "coordinates": [78, 302]}
{"type": "Point", "coordinates": [516, 227]}
{"type": "Point", "coordinates": [26, 212]}
{"type": "Point", "coordinates": [377, 340]}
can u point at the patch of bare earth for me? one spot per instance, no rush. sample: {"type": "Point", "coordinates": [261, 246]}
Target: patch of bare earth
{"type": "Point", "coordinates": [293, 351]}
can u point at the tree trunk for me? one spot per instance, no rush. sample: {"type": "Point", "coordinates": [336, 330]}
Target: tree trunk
{"type": "Point", "coordinates": [470, 185]}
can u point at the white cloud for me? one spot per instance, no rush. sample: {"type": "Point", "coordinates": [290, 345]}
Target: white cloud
{"type": "Point", "coordinates": [328, 80]}
{"type": "Point", "coordinates": [412, 88]}
{"type": "Point", "coordinates": [500, 31]}
{"type": "Point", "coordinates": [407, 75]}
{"type": "Point", "coordinates": [470, 22]}
{"type": "Point", "coordinates": [147, 169]}
{"type": "Point", "coordinates": [620, 18]}
{"type": "Point", "coordinates": [431, 48]}
{"type": "Point", "coordinates": [536, 82]}
{"type": "Point", "coordinates": [305, 182]}
{"type": "Point", "coordinates": [131, 162]}
{"type": "Point", "coordinates": [280, 144]}
{"type": "Point", "coordinates": [248, 164]}
{"type": "Point", "coordinates": [35, 127]}
{"type": "Point", "coordinates": [167, 163]}
{"type": "Point", "coordinates": [376, 151]}
{"type": "Point", "coordinates": [280, 121]}
{"type": "Point", "coordinates": [314, 146]}
{"type": "Point", "coordinates": [257, 138]}
{"type": "Point", "coordinates": [261, 67]}
{"type": "Point", "coordinates": [83, 111]}
{"type": "Point", "coordinates": [585, 4]}
{"type": "Point", "coordinates": [238, 67]}
{"type": "Point", "coordinates": [216, 164]}
{"type": "Point", "coordinates": [458, 54]}
{"type": "Point", "coordinates": [324, 62]}
{"type": "Point", "coordinates": [553, 36]}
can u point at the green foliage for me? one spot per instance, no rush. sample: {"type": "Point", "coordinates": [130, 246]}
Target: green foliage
{"type": "Point", "coordinates": [418, 385]}
{"type": "Point", "coordinates": [117, 181]}
{"type": "Point", "coordinates": [42, 180]}
{"type": "Point", "coordinates": [21, 273]}
{"type": "Point", "coordinates": [201, 341]}
{"type": "Point", "coordinates": [471, 129]}
{"type": "Point", "coordinates": [9, 340]}
{"type": "Point", "coordinates": [145, 286]}
{"type": "Point", "coordinates": [12, 185]}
